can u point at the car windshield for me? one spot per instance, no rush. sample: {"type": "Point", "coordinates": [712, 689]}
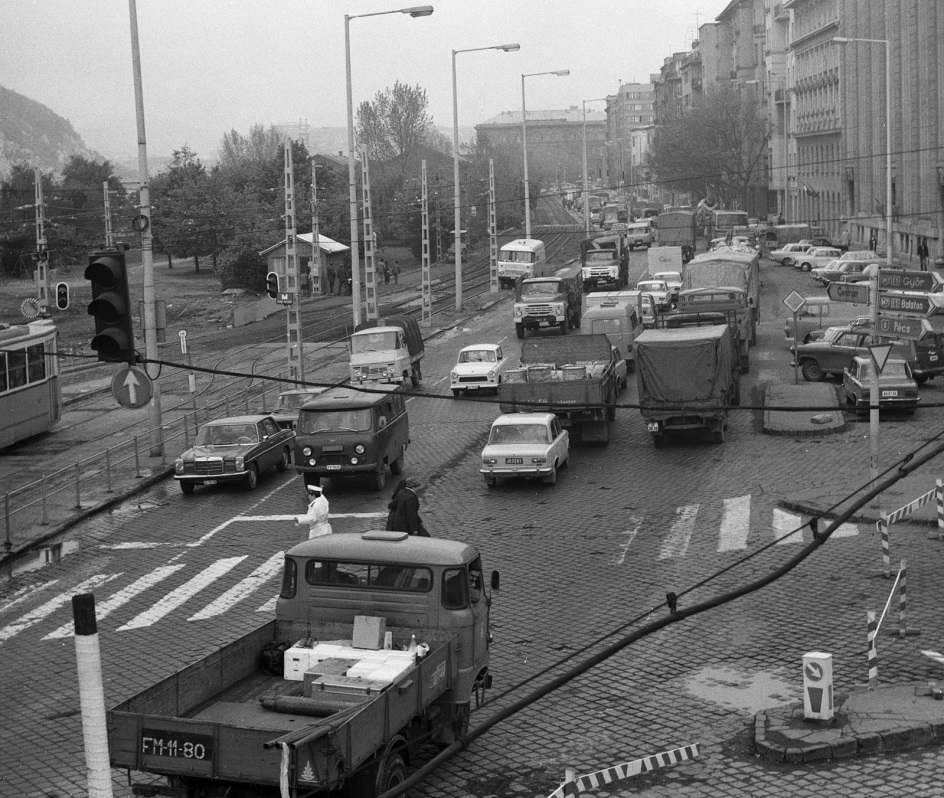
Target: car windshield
{"type": "Point", "coordinates": [512, 256]}
{"type": "Point", "coordinates": [832, 333]}
{"type": "Point", "coordinates": [227, 434]}
{"type": "Point", "coordinates": [518, 433]}
{"type": "Point", "coordinates": [477, 356]}
{"type": "Point", "coordinates": [652, 285]}
{"type": "Point", "coordinates": [374, 342]}
{"type": "Point", "coordinates": [892, 370]}
{"type": "Point", "coordinates": [356, 420]}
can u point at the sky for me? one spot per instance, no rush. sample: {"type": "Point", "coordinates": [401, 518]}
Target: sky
{"type": "Point", "coordinates": [212, 66]}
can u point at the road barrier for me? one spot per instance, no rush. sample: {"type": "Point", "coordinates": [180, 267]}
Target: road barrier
{"type": "Point", "coordinates": [887, 519]}
{"type": "Point", "coordinates": [874, 627]}
{"type": "Point", "coordinates": [576, 785]}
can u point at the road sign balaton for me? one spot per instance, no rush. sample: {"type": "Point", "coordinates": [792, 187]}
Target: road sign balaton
{"type": "Point", "coordinates": [110, 306]}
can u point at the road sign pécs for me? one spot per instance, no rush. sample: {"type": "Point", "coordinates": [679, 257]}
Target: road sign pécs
{"type": "Point", "coordinates": [902, 327]}
{"type": "Point", "coordinates": [857, 293]}
{"type": "Point", "coordinates": [132, 387]}
{"type": "Point", "coordinates": [900, 280]}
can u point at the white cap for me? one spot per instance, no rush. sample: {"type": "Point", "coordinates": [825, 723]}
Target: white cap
{"type": "Point", "coordinates": [312, 488]}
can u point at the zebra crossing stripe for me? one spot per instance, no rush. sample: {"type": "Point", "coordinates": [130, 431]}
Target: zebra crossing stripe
{"type": "Point", "coordinates": [47, 609]}
{"type": "Point", "coordinates": [184, 593]}
{"type": "Point", "coordinates": [25, 593]}
{"type": "Point", "coordinates": [269, 569]}
{"type": "Point", "coordinates": [626, 770]}
{"type": "Point", "coordinates": [784, 523]}
{"type": "Point", "coordinates": [680, 535]}
{"type": "Point", "coordinates": [735, 524]}
{"type": "Point", "coordinates": [120, 598]}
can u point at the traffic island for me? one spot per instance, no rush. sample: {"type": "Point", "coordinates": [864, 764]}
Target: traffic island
{"type": "Point", "coordinates": [801, 411]}
{"type": "Point", "coordinates": [867, 722]}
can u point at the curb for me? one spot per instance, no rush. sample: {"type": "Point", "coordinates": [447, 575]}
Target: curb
{"type": "Point", "coordinates": [810, 509]}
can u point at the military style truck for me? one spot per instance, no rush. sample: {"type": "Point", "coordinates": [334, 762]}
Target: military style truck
{"type": "Point", "coordinates": [687, 379]}
{"type": "Point", "coordinates": [677, 229]}
{"type": "Point", "coordinates": [574, 377]}
{"type": "Point", "coordinates": [387, 350]}
{"type": "Point", "coordinates": [604, 262]}
{"type": "Point", "coordinates": [552, 301]}
{"type": "Point", "coordinates": [729, 268]}
{"type": "Point", "coordinates": [380, 642]}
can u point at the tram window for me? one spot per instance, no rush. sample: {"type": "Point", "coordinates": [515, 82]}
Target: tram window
{"type": "Point", "coordinates": [37, 363]}
{"type": "Point", "coordinates": [16, 369]}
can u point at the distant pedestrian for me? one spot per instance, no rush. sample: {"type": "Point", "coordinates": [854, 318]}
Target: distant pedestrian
{"type": "Point", "coordinates": [404, 506]}
{"type": "Point", "coordinates": [342, 279]}
{"type": "Point", "coordinates": [923, 253]}
{"type": "Point", "coordinates": [873, 241]}
{"type": "Point", "coordinates": [396, 272]}
{"type": "Point", "coordinates": [317, 515]}
{"type": "Point", "coordinates": [332, 276]}
{"type": "Point", "coordinates": [385, 272]}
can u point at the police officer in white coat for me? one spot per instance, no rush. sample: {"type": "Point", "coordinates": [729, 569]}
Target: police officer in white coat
{"type": "Point", "coordinates": [317, 515]}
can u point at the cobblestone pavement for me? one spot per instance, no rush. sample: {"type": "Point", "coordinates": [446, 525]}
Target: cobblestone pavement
{"type": "Point", "coordinates": [582, 563]}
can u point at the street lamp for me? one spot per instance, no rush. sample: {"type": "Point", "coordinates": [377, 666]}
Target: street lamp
{"type": "Point", "coordinates": [586, 185]}
{"type": "Point", "coordinates": [786, 147]}
{"type": "Point", "coordinates": [524, 144]}
{"type": "Point", "coordinates": [873, 389]}
{"type": "Point", "coordinates": [413, 11]}
{"type": "Point", "coordinates": [457, 245]}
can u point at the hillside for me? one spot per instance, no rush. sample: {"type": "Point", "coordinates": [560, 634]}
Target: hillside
{"type": "Point", "coordinates": [31, 132]}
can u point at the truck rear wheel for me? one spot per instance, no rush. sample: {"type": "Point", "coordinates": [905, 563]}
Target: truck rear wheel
{"type": "Point", "coordinates": [519, 330]}
{"type": "Point", "coordinates": [390, 774]}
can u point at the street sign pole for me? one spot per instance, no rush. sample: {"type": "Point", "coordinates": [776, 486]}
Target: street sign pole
{"type": "Point", "coordinates": [191, 379]}
{"type": "Point", "coordinates": [796, 343]}
{"type": "Point", "coordinates": [874, 391]}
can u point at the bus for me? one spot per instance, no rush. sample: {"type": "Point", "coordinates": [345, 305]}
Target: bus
{"type": "Point", "coordinates": [30, 399]}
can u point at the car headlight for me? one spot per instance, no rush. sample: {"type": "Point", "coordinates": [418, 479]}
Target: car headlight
{"type": "Point", "coordinates": [491, 376]}
{"type": "Point", "coordinates": [307, 451]}
{"type": "Point", "coordinates": [489, 460]}
{"type": "Point", "coordinates": [359, 448]}
{"type": "Point", "coordinates": [240, 462]}
{"type": "Point", "coordinates": [559, 309]}
{"type": "Point", "coordinates": [539, 460]}
{"type": "Point", "coordinates": [178, 466]}
{"type": "Point", "coordinates": [354, 461]}
{"type": "Point", "coordinates": [454, 376]}
{"type": "Point", "coordinates": [312, 461]}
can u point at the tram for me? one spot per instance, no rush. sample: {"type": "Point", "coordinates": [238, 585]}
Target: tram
{"type": "Point", "coordinates": [30, 398]}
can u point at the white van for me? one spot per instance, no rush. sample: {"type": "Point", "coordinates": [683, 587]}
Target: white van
{"type": "Point", "coordinates": [617, 316]}
{"type": "Point", "coordinates": [523, 257]}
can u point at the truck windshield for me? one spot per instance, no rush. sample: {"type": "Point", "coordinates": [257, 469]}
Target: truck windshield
{"type": "Point", "coordinates": [601, 256]}
{"type": "Point", "coordinates": [384, 576]}
{"type": "Point", "coordinates": [518, 433]}
{"type": "Point", "coordinates": [541, 288]}
{"type": "Point", "coordinates": [356, 420]}
{"type": "Point", "coordinates": [362, 343]}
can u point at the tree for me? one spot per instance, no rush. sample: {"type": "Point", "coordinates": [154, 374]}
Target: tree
{"type": "Point", "coordinates": [716, 148]}
{"type": "Point", "coordinates": [184, 218]}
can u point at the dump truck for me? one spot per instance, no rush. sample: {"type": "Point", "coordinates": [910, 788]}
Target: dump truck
{"type": "Point", "coordinates": [380, 642]}
{"type": "Point", "coordinates": [687, 379]}
{"type": "Point", "coordinates": [604, 262]}
{"type": "Point", "coordinates": [551, 301]}
{"type": "Point", "coordinates": [387, 350]}
{"type": "Point", "coordinates": [573, 377]}
{"type": "Point", "coordinates": [677, 229]}
{"type": "Point", "coordinates": [729, 268]}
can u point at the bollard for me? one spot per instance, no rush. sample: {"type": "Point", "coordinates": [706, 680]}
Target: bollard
{"type": "Point", "coordinates": [903, 599]}
{"type": "Point", "coordinates": [107, 471]}
{"type": "Point", "coordinates": [137, 459]}
{"type": "Point", "coordinates": [78, 486]}
{"type": "Point", "coordinates": [45, 520]}
{"type": "Point", "coordinates": [818, 686]}
{"type": "Point", "coordinates": [873, 653]}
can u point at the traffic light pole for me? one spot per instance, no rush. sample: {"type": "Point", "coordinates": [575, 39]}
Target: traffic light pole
{"type": "Point", "coordinates": [147, 247]}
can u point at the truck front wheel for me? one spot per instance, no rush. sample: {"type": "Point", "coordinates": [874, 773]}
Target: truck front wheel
{"type": "Point", "coordinates": [390, 774]}
{"type": "Point", "coordinates": [519, 330]}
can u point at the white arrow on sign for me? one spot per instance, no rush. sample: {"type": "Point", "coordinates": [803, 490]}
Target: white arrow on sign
{"type": "Point", "coordinates": [132, 384]}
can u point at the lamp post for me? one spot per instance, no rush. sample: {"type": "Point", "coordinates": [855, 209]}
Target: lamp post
{"type": "Point", "coordinates": [457, 198]}
{"type": "Point", "coordinates": [413, 11]}
{"type": "Point", "coordinates": [873, 388]}
{"type": "Point", "coordinates": [586, 185]}
{"type": "Point", "coordinates": [786, 147]}
{"type": "Point", "coordinates": [524, 144]}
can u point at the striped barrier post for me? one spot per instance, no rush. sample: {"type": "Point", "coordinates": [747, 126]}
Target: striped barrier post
{"type": "Point", "coordinates": [626, 770]}
{"type": "Point", "coordinates": [882, 529]}
{"type": "Point", "coordinates": [940, 511]}
{"type": "Point", "coordinates": [903, 599]}
{"type": "Point", "coordinates": [873, 653]}
{"type": "Point", "coordinates": [888, 519]}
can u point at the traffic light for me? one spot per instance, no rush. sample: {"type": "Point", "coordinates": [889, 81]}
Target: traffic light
{"type": "Point", "coordinates": [62, 295]}
{"type": "Point", "coordinates": [272, 285]}
{"type": "Point", "coordinates": [111, 306]}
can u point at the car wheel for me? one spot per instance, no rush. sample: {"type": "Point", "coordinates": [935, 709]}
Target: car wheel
{"type": "Point", "coordinates": [566, 463]}
{"type": "Point", "coordinates": [186, 487]}
{"type": "Point", "coordinates": [285, 460]}
{"type": "Point", "coordinates": [788, 262]}
{"type": "Point", "coordinates": [551, 479]}
{"type": "Point", "coordinates": [922, 380]}
{"type": "Point", "coordinates": [379, 478]}
{"type": "Point", "coordinates": [806, 267]}
{"type": "Point", "coordinates": [812, 372]}
{"type": "Point", "coordinates": [252, 477]}
{"type": "Point", "coordinates": [457, 392]}
{"type": "Point", "coordinates": [519, 330]}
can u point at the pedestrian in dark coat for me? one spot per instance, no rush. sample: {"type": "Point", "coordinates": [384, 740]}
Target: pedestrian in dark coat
{"type": "Point", "coordinates": [923, 253]}
{"type": "Point", "coordinates": [332, 274]}
{"type": "Point", "coordinates": [873, 241]}
{"type": "Point", "coordinates": [404, 506]}
{"type": "Point", "coordinates": [342, 279]}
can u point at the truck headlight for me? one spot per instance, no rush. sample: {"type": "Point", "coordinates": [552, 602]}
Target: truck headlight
{"type": "Point", "coordinates": [307, 451]}
{"type": "Point", "coordinates": [518, 311]}
{"type": "Point", "coordinates": [359, 448]}
{"type": "Point", "coordinates": [559, 309]}
{"type": "Point", "coordinates": [312, 462]}
{"type": "Point", "coordinates": [354, 461]}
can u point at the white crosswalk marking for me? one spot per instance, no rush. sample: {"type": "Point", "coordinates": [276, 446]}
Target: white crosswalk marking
{"type": "Point", "coordinates": [735, 524]}
{"type": "Point", "coordinates": [630, 537]}
{"type": "Point", "coordinates": [47, 609]}
{"type": "Point", "coordinates": [844, 530]}
{"type": "Point", "coordinates": [26, 593]}
{"type": "Point", "coordinates": [184, 593]}
{"type": "Point", "coordinates": [270, 568]}
{"type": "Point", "coordinates": [120, 598]}
{"type": "Point", "coordinates": [783, 524]}
{"type": "Point", "coordinates": [676, 544]}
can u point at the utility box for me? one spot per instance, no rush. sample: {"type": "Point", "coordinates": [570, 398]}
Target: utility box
{"type": "Point", "coordinates": [369, 632]}
{"type": "Point", "coordinates": [818, 686]}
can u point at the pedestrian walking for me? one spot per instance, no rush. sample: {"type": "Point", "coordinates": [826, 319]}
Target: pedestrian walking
{"type": "Point", "coordinates": [317, 515]}
{"type": "Point", "coordinates": [873, 241]}
{"type": "Point", "coordinates": [923, 253]}
{"type": "Point", "coordinates": [332, 275]}
{"type": "Point", "coordinates": [342, 279]}
{"type": "Point", "coordinates": [404, 506]}
{"type": "Point", "coordinates": [385, 272]}
{"type": "Point", "coordinates": [396, 272]}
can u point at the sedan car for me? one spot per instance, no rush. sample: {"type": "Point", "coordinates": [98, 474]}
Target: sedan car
{"type": "Point", "coordinates": [479, 368]}
{"type": "Point", "coordinates": [816, 257]}
{"type": "Point", "coordinates": [897, 388]}
{"type": "Point", "coordinates": [788, 253]}
{"type": "Point", "coordinates": [673, 280]}
{"type": "Point", "coordinates": [831, 353]}
{"type": "Point", "coordinates": [235, 449]}
{"type": "Point", "coordinates": [838, 269]}
{"type": "Point", "coordinates": [659, 291]}
{"type": "Point", "coordinates": [525, 445]}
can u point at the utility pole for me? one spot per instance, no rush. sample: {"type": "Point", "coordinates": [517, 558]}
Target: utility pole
{"type": "Point", "coordinates": [42, 252]}
{"type": "Point", "coordinates": [493, 286]}
{"type": "Point", "coordinates": [288, 293]}
{"type": "Point", "coordinates": [315, 270]}
{"type": "Point", "coordinates": [427, 287]}
{"type": "Point", "coordinates": [109, 233]}
{"type": "Point", "coordinates": [147, 246]}
{"type": "Point", "coordinates": [370, 242]}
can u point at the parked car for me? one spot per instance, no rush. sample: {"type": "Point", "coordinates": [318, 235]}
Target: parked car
{"type": "Point", "coordinates": [659, 291]}
{"type": "Point", "coordinates": [673, 280]}
{"type": "Point", "coordinates": [235, 449]}
{"type": "Point", "coordinates": [525, 445]}
{"type": "Point", "coordinates": [285, 411]}
{"type": "Point", "coordinates": [838, 269]}
{"type": "Point", "coordinates": [861, 254]}
{"type": "Point", "coordinates": [821, 241]}
{"type": "Point", "coordinates": [819, 313]}
{"type": "Point", "coordinates": [897, 387]}
{"type": "Point", "coordinates": [788, 253]}
{"type": "Point", "coordinates": [815, 257]}
{"type": "Point", "coordinates": [478, 368]}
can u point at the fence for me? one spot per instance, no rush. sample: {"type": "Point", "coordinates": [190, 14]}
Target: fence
{"type": "Point", "coordinates": [887, 519]}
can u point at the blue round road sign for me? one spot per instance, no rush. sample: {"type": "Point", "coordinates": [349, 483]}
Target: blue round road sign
{"type": "Point", "coordinates": [132, 387]}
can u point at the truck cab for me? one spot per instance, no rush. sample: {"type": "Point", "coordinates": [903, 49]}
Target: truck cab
{"type": "Point", "coordinates": [553, 301]}
{"type": "Point", "coordinates": [387, 350]}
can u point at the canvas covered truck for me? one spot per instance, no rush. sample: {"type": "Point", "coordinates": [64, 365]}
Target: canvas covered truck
{"type": "Point", "coordinates": [687, 379]}
{"type": "Point", "coordinates": [677, 229]}
{"type": "Point", "coordinates": [729, 268]}
{"type": "Point", "coordinates": [604, 262]}
{"type": "Point", "coordinates": [316, 700]}
{"type": "Point", "coordinates": [574, 377]}
{"type": "Point", "coordinates": [387, 350]}
{"type": "Point", "coordinates": [550, 301]}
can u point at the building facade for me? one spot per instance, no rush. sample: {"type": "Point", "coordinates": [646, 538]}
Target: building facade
{"type": "Point", "coordinates": [629, 126]}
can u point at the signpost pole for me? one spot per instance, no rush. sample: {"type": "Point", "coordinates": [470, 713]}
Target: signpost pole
{"type": "Point", "coordinates": [796, 342]}
{"type": "Point", "coordinates": [873, 387]}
